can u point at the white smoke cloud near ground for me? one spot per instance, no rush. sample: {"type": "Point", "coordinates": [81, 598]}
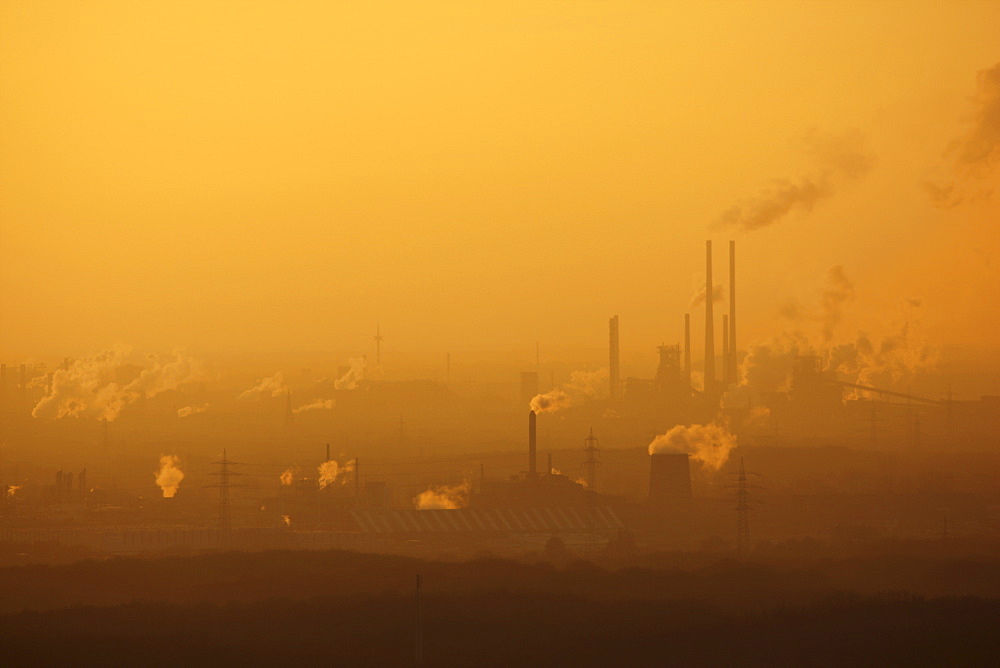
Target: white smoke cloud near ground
{"type": "Point", "coordinates": [709, 444]}
{"type": "Point", "coordinates": [444, 497]}
{"type": "Point", "coordinates": [837, 158]}
{"type": "Point", "coordinates": [273, 386]}
{"type": "Point", "coordinates": [318, 405]}
{"type": "Point", "coordinates": [88, 387]}
{"type": "Point", "coordinates": [582, 386]}
{"type": "Point", "coordinates": [169, 476]}
{"type": "Point", "coordinates": [331, 471]}
{"type": "Point", "coordinates": [976, 154]}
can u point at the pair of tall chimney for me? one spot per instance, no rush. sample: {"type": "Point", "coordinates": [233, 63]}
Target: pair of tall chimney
{"type": "Point", "coordinates": [729, 335]}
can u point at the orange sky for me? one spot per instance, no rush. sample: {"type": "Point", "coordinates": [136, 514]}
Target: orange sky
{"type": "Point", "coordinates": [276, 176]}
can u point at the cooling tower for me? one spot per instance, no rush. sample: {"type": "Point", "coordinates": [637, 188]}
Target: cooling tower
{"type": "Point", "coordinates": [669, 480]}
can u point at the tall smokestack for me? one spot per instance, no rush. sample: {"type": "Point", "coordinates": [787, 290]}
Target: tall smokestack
{"type": "Point", "coordinates": [615, 383]}
{"type": "Point", "coordinates": [531, 442]}
{"type": "Point", "coordinates": [327, 453]}
{"type": "Point", "coordinates": [687, 348]}
{"type": "Point", "coordinates": [725, 349]}
{"type": "Point", "coordinates": [709, 322]}
{"type": "Point", "coordinates": [731, 370]}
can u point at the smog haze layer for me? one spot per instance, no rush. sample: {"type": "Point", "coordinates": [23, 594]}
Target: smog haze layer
{"type": "Point", "coordinates": [258, 178]}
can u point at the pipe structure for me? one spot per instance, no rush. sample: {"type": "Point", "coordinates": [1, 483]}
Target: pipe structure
{"type": "Point", "coordinates": [709, 322]}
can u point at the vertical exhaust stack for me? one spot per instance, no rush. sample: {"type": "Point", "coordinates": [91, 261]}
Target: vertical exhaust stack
{"type": "Point", "coordinates": [731, 354]}
{"type": "Point", "coordinates": [687, 348]}
{"type": "Point", "coordinates": [669, 480]}
{"type": "Point", "coordinates": [532, 443]}
{"type": "Point", "coordinates": [709, 322]}
{"type": "Point", "coordinates": [725, 349]}
{"type": "Point", "coordinates": [614, 353]}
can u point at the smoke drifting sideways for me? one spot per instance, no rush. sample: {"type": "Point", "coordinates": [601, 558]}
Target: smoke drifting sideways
{"type": "Point", "coordinates": [88, 389]}
{"type": "Point", "coordinates": [837, 158]}
{"type": "Point", "coordinates": [977, 152]}
{"type": "Point", "coordinates": [188, 411]}
{"type": "Point", "coordinates": [444, 497]}
{"type": "Point", "coordinates": [582, 386]}
{"type": "Point", "coordinates": [698, 298]}
{"type": "Point", "coordinates": [318, 405]}
{"type": "Point", "coordinates": [169, 476]}
{"type": "Point", "coordinates": [273, 386]}
{"type": "Point", "coordinates": [709, 444]}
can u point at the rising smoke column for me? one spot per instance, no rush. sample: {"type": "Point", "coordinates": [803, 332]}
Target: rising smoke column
{"type": "Point", "coordinates": [358, 367]}
{"type": "Point", "coordinates": [169, 477]}
{"type": "Point", "coordinates": [444, 497]}
{"type": "Point", "coordinates": [837, 159]}
{"type": "Point", "coordinates": [709, 444]}
{"type": "Point", "coordinates": [288, 476]}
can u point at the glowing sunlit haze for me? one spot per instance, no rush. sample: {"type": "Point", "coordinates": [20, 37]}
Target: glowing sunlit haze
{"type": "Point", "coordinates": [257, 177]}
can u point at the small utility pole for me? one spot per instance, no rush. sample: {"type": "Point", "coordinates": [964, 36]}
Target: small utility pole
{"type": "Point", "coordinates": [418, 635]}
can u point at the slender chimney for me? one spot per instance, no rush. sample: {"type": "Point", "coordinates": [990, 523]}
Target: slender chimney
{"type": "Point", "coordinates": [725, 349]}
{"type": "Point", "coordinates": [327, 453]}
{"type": "Point", "coordinates": [687, 348]}
{"type": "Point", "coordinates": [709, 323]}
{"type": "Point", "coordinates": [731, 372]}
{"type": "Point", "coordinates": [531, 443]}
{"type": "Point", "coordinates": [615, 382]}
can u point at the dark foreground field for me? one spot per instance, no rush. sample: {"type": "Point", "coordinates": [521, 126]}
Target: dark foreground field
{"type": "Point", "coordinates": [283, 608]}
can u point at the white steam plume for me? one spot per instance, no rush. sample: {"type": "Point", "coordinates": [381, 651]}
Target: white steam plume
{"type": "Point", "coordinates": [709, 444]}
{"type": "Point", "coordinates": [318, 405]}
{"type": "Point", "coordinates": [444, 497]}
{"type": "Point", "coordinates": [187, 411]}
{"type": "Point", "coordinates": [88, 387]}
{"type": "Point", "coordinates": [582, 385]}
{"type": "Point", "coordinates": [169, 477]}
{"type": "Point", "coordinates": [274, 386]}
{"type": "Point", "coordinates": [358, 367]}
{"type": "Point", "coordinates": [330, 471]}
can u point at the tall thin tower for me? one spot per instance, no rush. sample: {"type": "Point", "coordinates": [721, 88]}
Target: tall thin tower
{"type": "Point", "coordinates": [378, 343]}
{"type": "Point", "coordinates": [725, 349]}
{"type": "Point", "coordinates": [743, 488]}
{"type": "Point", "coordinates": [687, 348]}
{"type": "Point", "coordinates": [614, 355]}
{"type": "Point", "coordinates": [592, 461]}
{"type": "Point", "coordinates": [731, 353]}
{"type": "Point", "coordinates": [225, 525]}
{"type": "Point", "coordinates": [709, 322]}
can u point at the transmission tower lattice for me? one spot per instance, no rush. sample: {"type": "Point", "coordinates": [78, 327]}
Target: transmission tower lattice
{"type": "Point", "coordinates": [743, 501]}
{"type": "Point", "coordinates": [225, 525]}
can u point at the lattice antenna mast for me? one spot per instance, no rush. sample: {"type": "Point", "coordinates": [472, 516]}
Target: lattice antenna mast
{"type": "Point", "coordinates": [592, 461]}
{"type": "Point", "coordinates": [224, 473]}
{"type": "Point", "coordinates": [743, 502]}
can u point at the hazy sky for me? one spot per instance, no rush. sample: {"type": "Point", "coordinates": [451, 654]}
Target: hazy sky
{"type": "Point", "coordinates": [259, 176]}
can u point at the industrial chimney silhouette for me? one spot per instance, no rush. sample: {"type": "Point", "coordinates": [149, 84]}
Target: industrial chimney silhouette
{"type": "Point", "coordinates": [532, 443]}
{"type": "Point", "coordinates": [709, 323]}
{"type": "Point", "coordinates": [614, 354]}
{"type": "Point", "coordinates": [687, 349]}
{"type": "Point", "coordinates": [731, 353]}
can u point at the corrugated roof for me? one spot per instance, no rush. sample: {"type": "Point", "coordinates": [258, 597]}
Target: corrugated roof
{"type": "Point", "coordinates": [469, 520]}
